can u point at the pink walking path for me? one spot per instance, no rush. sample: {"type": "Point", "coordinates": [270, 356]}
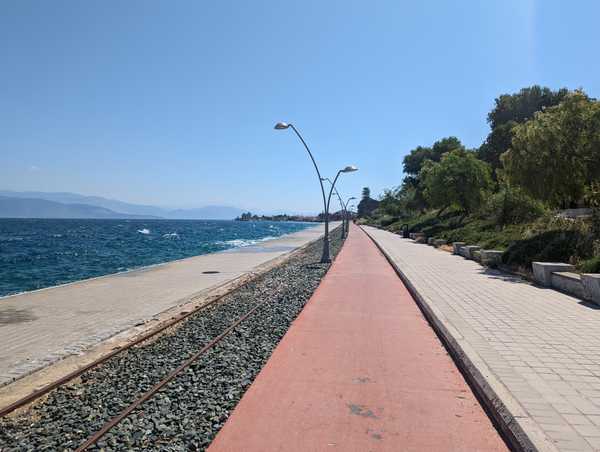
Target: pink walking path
{"type": "Point", "coordinates": [359, 370]}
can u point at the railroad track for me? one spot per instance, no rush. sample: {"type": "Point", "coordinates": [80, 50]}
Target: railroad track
{"type": "Point", "coordinates": [39, 393]}
{"type": "Point", "coordinates": [213, 355]}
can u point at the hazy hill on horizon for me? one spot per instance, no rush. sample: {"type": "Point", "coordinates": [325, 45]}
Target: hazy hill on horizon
{"type": "Point", "coordinates": [20, 203]}
{"type": "Point", "coordinates": [41, 208]}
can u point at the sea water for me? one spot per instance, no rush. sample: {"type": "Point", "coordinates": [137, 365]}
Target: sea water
{"type": "Point", "coordinates": [38, 253]}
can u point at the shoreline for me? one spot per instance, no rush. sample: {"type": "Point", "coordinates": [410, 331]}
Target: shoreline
{"type": "Point", "coordinates": [45, 326]}
{"type": "Point", "coordinates": [152, 266]}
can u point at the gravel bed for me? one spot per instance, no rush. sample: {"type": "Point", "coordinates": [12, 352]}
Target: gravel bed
{"type": "Point", "coordinates": [189, 411]}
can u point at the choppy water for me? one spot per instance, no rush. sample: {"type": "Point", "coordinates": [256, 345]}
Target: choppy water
{"type": "Point", "coordinates": [37, 253]}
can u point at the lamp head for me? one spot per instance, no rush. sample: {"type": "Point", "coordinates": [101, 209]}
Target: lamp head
{"type": "Point", "coordinates": [281, 126]}
{"type": "Point", "coordinates": [349, 169]}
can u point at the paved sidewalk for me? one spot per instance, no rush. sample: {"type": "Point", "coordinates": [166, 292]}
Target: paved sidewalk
{"type": "Point", "coordinates": [539, 349]}
{"type": "Point", "coordinates": [41, 327]}
{"type": "Point", "coordinates": [359, 370]}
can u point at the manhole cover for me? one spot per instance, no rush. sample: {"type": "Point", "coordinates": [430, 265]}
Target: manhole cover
{"type": "Point", "coordinates": [210, 272]}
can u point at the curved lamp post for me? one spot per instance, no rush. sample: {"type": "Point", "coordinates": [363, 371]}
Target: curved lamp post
{"type": "Point", "coordinates": [347, 214]}
{"type": "Point", "coordinates": [347, 169]}
{"type": "Point", "coordinates": [351, 210]}
{"type": "Point", "coordinates": [342, 206]}
{"type": "Point", "coordinates": [325, 258]}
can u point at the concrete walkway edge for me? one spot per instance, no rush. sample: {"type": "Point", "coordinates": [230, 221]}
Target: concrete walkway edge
{"type": "Point", "coordinates": [490, 392]}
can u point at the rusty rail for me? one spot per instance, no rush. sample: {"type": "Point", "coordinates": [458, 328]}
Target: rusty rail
{"type": "Point", "coordinates": [170, 376]}
{"type": "Point", "coordinates": [76, 373]}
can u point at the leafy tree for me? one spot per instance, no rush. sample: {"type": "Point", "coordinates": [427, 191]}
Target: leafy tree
{"type": "Point", "coordinates": [413, 162]}
{"type": "Point", "coordinates": [459, 179]}
{"type": "Point", "coordinates": [510, 205]}
{"type": "Point", "coordinates": [389, 203]}
{"type": "Point", "coordinates": [412, 195]}
{"type": "Point", "coordinates": [510, 110]}
{"type": "Point", "coordinates": [592, 197]}
{"type": "Point", "coordinates": [497, 142]}
{"type": "Point", "coordinates": [521, 106]}
{"type": "Point", "coordinates": [556, 155]}
{"type": "Point", "coordinates": [412, 191]}
{"type": "Point", "coordinates": [366, 207]}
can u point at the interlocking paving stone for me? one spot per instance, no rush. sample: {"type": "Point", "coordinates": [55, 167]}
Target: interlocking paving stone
{"type": "Point", "coordinates": [538, 346]}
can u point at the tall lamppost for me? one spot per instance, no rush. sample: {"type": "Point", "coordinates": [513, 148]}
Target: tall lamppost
{"type": "Point", "coordinates": [325, 258]}
{"type": "Point", "coordinates": [346, 213]}
{"type": "Point", "coordinates": [350, 211]}
{"type": "Point", "coordinates": [342, 206]}
{"type": "Point", "coordinates": [347, 169]}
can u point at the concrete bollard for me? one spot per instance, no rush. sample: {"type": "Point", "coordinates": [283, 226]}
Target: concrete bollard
{"type": "Point", "coordinates": [591, 286]}
{"type": "Point", "coordinates": [456, 246]}
{"type": "Point", "coordinates": [542, 271]}
{"type": "Point", "coordinates": [569, 283]}
{"type": "Point", "coordinates": [439, 242]}
{"type": "Point", "coordinates": [467, 251]}
{"type": "Point", "coordinates": [420, 237]}
{"type": "Point", "coordinates": [491, 258]}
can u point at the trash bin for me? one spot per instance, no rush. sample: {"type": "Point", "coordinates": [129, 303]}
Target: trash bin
{"type": "Point", "coordinates": [405, 231]}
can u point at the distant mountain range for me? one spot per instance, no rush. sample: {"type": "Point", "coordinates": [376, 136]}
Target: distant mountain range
{"type": "Point", "coordinates": [71, 205]}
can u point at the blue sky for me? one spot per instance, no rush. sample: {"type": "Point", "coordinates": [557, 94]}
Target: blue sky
{"type": "Point", "coordinates": [173, 102]}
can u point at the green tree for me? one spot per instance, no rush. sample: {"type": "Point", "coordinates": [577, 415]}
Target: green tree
{"type": "Point", "coordinates": [412, 191]}
{"type": "Point", "coordinates": [522, 106]}
{"type": "Point", "coordinates": [556, 155]}
{"type": "Point", "coordinates": [497, 142]}
{"type": "Point", "coordinates": [366, 192]}
{"type": "Point", "coordinates": [412, 194]}
{"type": "Point", "coordinates": [459, 180]}
{"type": "Point", "coordinates": [413, 162]}
{"type": "Point", "coordinates": [510, 110]}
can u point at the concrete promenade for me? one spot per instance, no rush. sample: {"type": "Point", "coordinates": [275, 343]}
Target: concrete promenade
{"type": "Point", "coordinates": [538, 349]}
{"type": "Point", "coordinates": [359, 370]}
{"type": "Point", "coordinates": [38, 328]}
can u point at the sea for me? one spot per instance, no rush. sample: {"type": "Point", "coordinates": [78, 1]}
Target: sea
{"type": "Point", "coordinates": [38, 253]}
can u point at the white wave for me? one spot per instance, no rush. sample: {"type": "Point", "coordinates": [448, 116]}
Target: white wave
{"type": "Point", "coordinates": [239, 243]}
{"type": "Point", "coordinates": [144, 231]}
{"type": "Point", "coordinates": [172, 235]}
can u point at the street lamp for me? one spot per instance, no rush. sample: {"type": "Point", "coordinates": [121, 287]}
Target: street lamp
{"type": "Point", "coordinates": [282, 126]}
{"type": "Point", "coordinates": [347, 169]}
{"type": "Point", "coordinates": [347, 215]}
{"type": "Point", "coordinates": [325, 256]}
{"type": "Point", "coordinates": [343, 207]}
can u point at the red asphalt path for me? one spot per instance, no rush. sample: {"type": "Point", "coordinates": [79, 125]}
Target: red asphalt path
{"type": "Point", "coordinates": [359, 370]}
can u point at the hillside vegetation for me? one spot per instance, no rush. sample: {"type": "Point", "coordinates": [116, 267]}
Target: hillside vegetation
{"type": "Point", "coordinates": [542, 155]}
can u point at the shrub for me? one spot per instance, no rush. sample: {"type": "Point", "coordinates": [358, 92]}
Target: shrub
{"type": "Point", "coordinates": [459, 180]}
{"type": "Point", "coordinates": [513, 206]}
{"type": "Point", "coordinates": [592, 197]}
{"type": "Point", "coordinates": [387, 220]}
{"type": "Point", "coordinates": [591, 265]}
{"type": "Point", "coordinates": [550, 246]}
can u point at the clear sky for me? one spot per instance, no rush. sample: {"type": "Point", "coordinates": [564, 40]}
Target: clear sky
{"type": "Point", "coordinates": [174, 102]}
